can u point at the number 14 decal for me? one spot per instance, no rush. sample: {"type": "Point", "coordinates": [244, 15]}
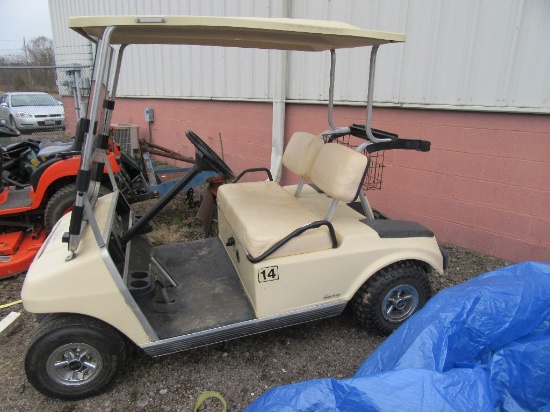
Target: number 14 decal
{"type": "Point", "coordinates": [268, 274]}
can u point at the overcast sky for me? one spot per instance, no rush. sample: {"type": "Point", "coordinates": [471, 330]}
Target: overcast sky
{"type": "Point", "coordinates": [22, 19]}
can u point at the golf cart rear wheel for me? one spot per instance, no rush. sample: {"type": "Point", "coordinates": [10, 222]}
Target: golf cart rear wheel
{"type": "Point", "coordinates": [73, 356]}
{"type": "Point", "coordinates": [391, 296]}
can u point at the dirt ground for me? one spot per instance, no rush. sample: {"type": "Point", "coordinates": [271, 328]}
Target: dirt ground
{"type": "Point", "coordinates": [241, 369]}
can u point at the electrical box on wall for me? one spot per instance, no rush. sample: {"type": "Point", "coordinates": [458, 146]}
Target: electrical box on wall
{"type": "Point", "coordinates": [149, 114]}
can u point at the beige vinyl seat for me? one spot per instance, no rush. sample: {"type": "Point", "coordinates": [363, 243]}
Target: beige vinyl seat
{"type": "Point", "coordinates": [269, 221]}
{"type": "Point", "coordinates": [300, 155]}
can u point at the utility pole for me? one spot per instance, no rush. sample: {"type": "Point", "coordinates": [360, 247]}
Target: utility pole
{"type": "Point", "coordinates": [27, 60]}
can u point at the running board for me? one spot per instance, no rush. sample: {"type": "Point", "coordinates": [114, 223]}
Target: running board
{"type": "Point", "coordinates": [241, 329]}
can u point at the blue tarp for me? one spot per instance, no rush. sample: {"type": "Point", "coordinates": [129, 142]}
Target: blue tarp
{"type": "Point", "coordinates": [483, 345]}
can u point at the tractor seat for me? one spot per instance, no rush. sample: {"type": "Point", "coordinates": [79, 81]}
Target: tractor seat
{"type": "Point", "coordinates": [50, 151]}
{"type": "Point", "coordinates": [70, 147]}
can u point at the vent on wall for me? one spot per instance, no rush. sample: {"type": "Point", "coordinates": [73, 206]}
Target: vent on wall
{"type": "Point", "coordinates": [126, 136]}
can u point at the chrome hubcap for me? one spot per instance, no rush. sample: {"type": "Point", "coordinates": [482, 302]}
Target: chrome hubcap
{"type": "Point", "coordinates": [74, 364]}
{"type": "Point", "coordinates": [400, 303]}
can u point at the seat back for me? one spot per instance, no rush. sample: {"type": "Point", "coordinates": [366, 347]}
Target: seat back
{"type": "Point", "coordinates": [301, 152]}
{"type": "Point", "coordinates": [339, 172]}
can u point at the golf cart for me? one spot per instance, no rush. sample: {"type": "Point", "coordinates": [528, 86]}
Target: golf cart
{"type": "Point", "coordinates": [284, 255]}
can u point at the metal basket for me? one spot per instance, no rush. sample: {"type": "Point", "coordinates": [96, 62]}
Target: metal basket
{"type": "Point", "coordinates": [373, 179]}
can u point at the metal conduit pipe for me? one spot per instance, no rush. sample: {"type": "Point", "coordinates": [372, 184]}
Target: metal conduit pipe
{"type": "Point", "coordinates": [278, 63]}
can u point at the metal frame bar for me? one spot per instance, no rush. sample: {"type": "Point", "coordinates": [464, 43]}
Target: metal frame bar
{"type": "Point", "coordinates": [107, 114]}
{"type": "Point", "coordinates": [331, 89]}
{"type": "Point", "coordinates": [299, 188]}
{"type": "Point", "coordinates": [331, 98]}
{"type": "Point", "coordinates": [331, 209]}
{"type": "Point", "coordinates": [104, 59]}
{"type": "Point", "coordinates": [366, 206]}
{"type": "Point", "coordinates": [370, 98]}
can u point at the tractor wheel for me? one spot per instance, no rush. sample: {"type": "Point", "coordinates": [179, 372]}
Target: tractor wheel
{"type": "Point", "coordinates": [60, 203]}
{"type": "Point", "coordinates": [73, 357]}
{"type": "Point", "coordinates": [391, 296]}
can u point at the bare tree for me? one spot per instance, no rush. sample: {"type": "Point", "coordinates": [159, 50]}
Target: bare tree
{"type": "Point", "coordinates": [37, 52]}
{"type": "Point", "coordinates": [40, 51]}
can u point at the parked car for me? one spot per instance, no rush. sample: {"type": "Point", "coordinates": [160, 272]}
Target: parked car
{"type": "Point", "coordinates": [31, 111]}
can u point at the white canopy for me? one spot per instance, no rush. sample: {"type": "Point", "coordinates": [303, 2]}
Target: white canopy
{"type": "Point", "coordinates": [263, 33]}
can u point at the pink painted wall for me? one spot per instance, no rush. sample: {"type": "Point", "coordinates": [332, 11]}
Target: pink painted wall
{"type": "Point", "coordinates": [245, 128]}
{"type": "Point", "coordinates": [485, 184]}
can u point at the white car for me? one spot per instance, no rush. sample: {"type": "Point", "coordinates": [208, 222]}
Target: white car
{"type": "Point", "coordinates": [32, 111]}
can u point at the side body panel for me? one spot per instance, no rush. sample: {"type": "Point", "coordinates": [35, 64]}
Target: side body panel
{"type": "Point", "coordinates": [83, 285]}
{"type": "Point", "coordinates": [288, 283]}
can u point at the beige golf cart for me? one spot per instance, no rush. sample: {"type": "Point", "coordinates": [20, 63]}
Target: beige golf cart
{"type": "Point", "coordinates": [284, 255]}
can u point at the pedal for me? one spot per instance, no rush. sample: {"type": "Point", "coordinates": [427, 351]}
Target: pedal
{"type": "Point", "coordinates": [161, 293]}
{"type": "Point", "coordinates": [164, 303]}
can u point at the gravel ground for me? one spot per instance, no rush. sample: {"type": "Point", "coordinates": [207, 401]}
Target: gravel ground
{"type": "Point", "coordinates": [241, 369]}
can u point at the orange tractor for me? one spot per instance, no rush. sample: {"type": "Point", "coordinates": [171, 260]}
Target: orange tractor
{"type": "Point", "coordinates": [36, 189]}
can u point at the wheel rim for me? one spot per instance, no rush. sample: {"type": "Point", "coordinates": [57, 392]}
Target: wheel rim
{"type": "Point", "coordinates": [74, 364]}
{"type": "Point", "coordinates": [400, 303]}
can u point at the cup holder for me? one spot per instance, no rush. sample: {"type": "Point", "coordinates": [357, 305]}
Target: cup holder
{"type": "Point", "coordinates": [140, 275]}
{"type": "Point", "coordinates": [141, 285]}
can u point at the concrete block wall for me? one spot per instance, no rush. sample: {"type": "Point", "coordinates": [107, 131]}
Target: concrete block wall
{"type": "Point", "coordinates": [485, 184]}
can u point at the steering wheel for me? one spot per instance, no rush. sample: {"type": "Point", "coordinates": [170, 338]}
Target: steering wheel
{"type": "Point", "coordinates": [210, 155]}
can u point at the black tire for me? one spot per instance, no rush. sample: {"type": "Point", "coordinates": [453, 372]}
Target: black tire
{"type": "Point", "coordinates": [391, 296]}
{"type": "Point", "coordinates": [59, 204]}
{"type": "Point", "coordinates": [73, 357]}
{"type": "Point", "coordinates": [40, 316]}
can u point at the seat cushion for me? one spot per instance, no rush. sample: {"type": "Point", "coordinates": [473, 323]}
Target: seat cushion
{"type": "Point", "coordinates": [263, 213]}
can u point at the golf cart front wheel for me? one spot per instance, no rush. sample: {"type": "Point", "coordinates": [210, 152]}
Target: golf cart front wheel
{"type": "Point", "coordinates": [74, 357]}
{"type": "Point", "coordinates": [391, 296]}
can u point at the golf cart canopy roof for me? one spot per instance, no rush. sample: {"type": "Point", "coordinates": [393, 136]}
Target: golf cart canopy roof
{"type": "Point", "coordinates": [262, 33]}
